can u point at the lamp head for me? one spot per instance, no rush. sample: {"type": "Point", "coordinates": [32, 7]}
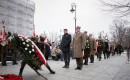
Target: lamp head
{"type": "Point", "coordinates": [72, 10]}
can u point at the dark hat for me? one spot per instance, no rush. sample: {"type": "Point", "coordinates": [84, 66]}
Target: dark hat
{"type": "Point", "coordinates": [85, 31]}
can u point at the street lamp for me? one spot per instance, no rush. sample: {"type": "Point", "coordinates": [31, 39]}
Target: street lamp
{"type": "Point", "coordinates": [73, 5]}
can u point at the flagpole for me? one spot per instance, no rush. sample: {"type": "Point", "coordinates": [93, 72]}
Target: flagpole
{"type": "Point", "coordinates": [34, 30]}
{"type": "Point", "coordinates": [3, 30]}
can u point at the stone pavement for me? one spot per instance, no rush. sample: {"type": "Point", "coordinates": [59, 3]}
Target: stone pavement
{"type": "Point", "coordinates": [114, 68]}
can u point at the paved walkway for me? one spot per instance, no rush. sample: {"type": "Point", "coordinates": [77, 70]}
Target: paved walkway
{"type": "Point", "coordinates": [114, 68]}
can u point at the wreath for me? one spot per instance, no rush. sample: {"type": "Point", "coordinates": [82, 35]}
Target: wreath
{"type": "Point", "coordinates": [30, 51]}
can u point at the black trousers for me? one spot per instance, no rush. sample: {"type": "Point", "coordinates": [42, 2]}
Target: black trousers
{"type": "Point", "coordinates": [99, 55]}
{"type": "Point", "coordinates": [79, 62]}
{"type": "Point", "coordinates": [92, 58]}
{"type": "Point", "coordinates": [66, 55]}
{"type": "Point", "coordinates": [108, 54]}
{"type": "Point", "coordinates": [105, 54]}
{"type": "Point", "coordinates": [86, 60]}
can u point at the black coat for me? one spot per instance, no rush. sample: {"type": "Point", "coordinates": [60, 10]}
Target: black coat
{"type": "Point", "coordinates": [120, 48]}
{"type": "Point", "coordinates": [47, 49]}
{"type": "Point", "coordinates": [65, 43]}
{"type": "Point", "coordinates": [106, 46]}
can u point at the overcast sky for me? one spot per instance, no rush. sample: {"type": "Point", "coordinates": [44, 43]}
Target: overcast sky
{"type": "Point", "coordinates": [55, 15]}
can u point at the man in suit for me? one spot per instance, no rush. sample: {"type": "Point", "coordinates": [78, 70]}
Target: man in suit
{"type": "Point", "coordinates": [105, 49]}
{"type": "Point", "coordinates": [78, 46]}
{"type": "Point", "coordinates": [65, 47]}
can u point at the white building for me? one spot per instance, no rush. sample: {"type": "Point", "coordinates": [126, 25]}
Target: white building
{"type": "Point", "coordinates": [18, 16]}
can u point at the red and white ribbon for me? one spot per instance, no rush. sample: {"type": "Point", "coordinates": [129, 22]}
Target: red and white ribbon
{"type": "Point", "coordinates": [38, 51]}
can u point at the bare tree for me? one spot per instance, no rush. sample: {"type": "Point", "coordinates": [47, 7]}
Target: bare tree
{"type": "Point", "coordinates": [127, 36]}
{"type": "Point", "coordinates": [120, 7]}
{"type": "Point", "coordinates": [118, 30]}
{"type": "Point", "coordinates": [54, 37]}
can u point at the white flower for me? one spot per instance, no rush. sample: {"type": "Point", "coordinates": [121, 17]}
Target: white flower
{"type": "Point", "coordinates": [26, 48]}
{"type": "Point", "coordinates": [22, 39]}
{"type": "Point", "coordinates": [27, 40]}
{"type": "Point", "coordinates": [30, 51]}
{"type": "Point", "coordinates": [32, 46]}
{"type": "Point", "coordinates": [24, 43]}
{"type": "Point", "coordinates": [27, 45]}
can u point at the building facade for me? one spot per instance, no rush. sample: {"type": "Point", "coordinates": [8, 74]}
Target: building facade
{"type": "Point", "coordinates": [18, 16]}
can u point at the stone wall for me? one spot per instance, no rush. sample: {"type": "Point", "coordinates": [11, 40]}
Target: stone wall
{"type": "Point", "coordinates": [18, 16]}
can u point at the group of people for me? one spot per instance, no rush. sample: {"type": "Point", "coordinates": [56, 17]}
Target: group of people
{"type": "Point", "coordinates": [85, 46]}
{"type": "Point", "coordinates": [81, 45]}
{"type": "Point", "coordinates": [6, 47]}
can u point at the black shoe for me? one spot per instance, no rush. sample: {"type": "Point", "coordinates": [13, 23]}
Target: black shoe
{"type": "Point", "coordinates": [64, 66]}
{"type": "Point", "coordinates": [20, 75]}
{"type": "Point", "coordinates": [52, 72]}
{"type": "Point", "coordinates": [91, 62]}
{"type": "Point", "coordinates": [100, 58]}
{"type": "Point", "coordinates": [15, 63]}
{"type": "Point", "coordinates": [80, 68]}
{"type": "Point", "coordinates": [67, 66]}
{"type": "Point", "coordinates": [4, 64]}
{"type": "Point", "coordinates": [77, 68]}
{"type": "Point", "coordinates": [85, 64]}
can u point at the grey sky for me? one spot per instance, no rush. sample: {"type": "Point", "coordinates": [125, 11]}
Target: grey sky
{"type": "Point", "coordinates": [53, 15]}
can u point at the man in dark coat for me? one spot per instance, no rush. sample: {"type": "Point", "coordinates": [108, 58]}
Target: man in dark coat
{"type": "Point", "coordinates": [105, 49]}
{"type": "Point", "coordinates": [119, 49]}
{"type": "Point", "coordinates": [47, 50]}
{"type": "Point", "coordinates": [65, 47]}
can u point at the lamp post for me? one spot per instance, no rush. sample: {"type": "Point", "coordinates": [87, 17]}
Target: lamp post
{"type": "Point", "coordinates": [73, 5]}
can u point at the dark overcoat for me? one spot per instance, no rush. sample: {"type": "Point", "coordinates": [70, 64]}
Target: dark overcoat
{"type": "Point", "coordinates": [65, 43]}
